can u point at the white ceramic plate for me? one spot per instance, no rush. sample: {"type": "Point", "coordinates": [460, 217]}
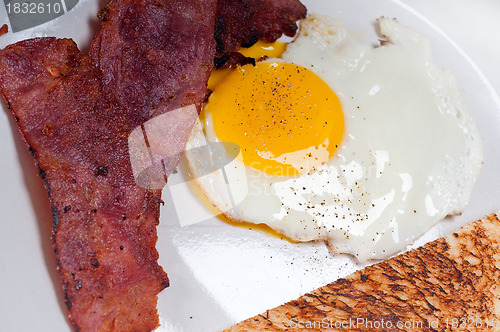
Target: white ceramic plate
{"type": "Point", "coordinates": [221, 274]}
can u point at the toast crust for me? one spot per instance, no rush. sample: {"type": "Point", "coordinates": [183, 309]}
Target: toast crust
{"type": "Point", "coordinates": [452, 283]}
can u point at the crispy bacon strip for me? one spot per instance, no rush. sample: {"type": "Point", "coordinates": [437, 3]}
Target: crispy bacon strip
{"type": "Point", "coordinates": [244, 22]}
{"type": "Point", "coordinates": [155, 56]}
{"type": "Point", "coordinates": [75, 114]}
{"type": "Point", "coordinates": [76, 123]}
{"type": "Point", "coordinates": [104, 225]}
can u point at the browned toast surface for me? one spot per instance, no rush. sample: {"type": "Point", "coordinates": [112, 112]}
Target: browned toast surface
{"type": "Point", "coordinates": [449, 284]}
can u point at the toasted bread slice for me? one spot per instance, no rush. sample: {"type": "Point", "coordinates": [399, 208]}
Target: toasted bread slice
{"type": "Point", "coordinates": [452, 283]}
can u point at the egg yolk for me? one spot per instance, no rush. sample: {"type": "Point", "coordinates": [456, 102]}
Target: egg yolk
{"type": "Point", "coordinates": [285, 119]}
{"type": "Point", "coordinates": [261, 49]}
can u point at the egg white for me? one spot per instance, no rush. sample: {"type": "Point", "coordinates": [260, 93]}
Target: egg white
{"type": "Point", "coordinates": [410, 154]}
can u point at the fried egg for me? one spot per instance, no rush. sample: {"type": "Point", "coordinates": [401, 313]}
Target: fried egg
{"type": "Point", "coordinates": [363, 147]}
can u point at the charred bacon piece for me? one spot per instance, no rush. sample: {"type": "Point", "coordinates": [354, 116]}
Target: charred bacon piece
{"type": "Point", "coordinates": [242, 23]}
{"type": "Point", "coordinates": [76, 123]}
